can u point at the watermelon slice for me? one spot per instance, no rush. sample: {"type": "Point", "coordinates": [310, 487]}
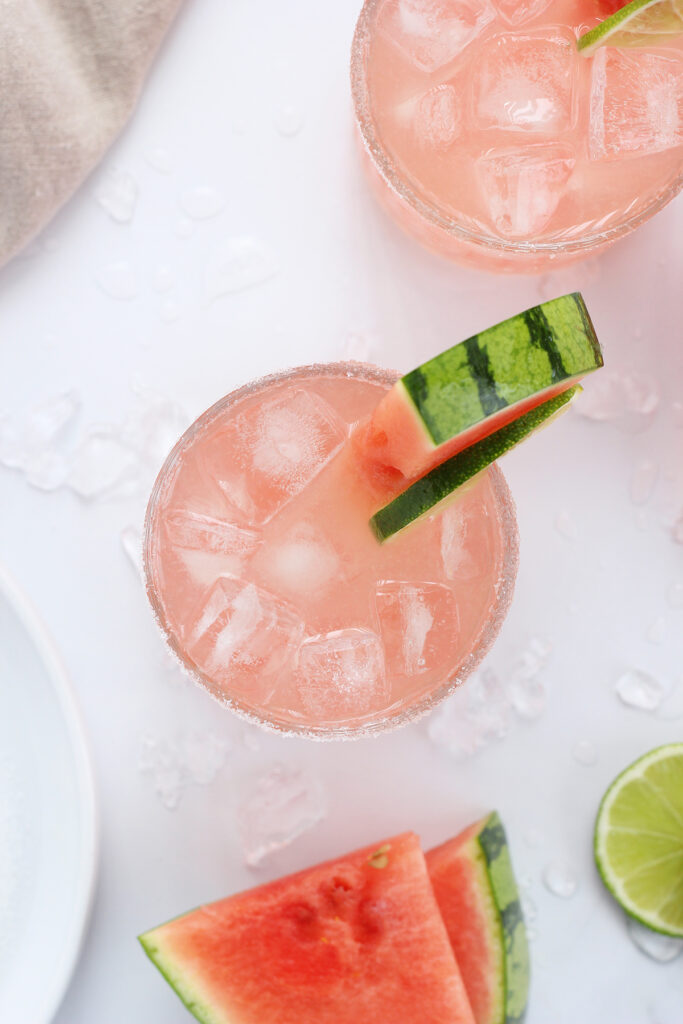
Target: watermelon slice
{"type": "Point", "coordinates": [473, 389]}
{"type": "Point", "coordinates": [475, 888]}
{"type": "Point", "coordinates": [437, 486]}
{"type": "Point", "coordinates": [357, 939]}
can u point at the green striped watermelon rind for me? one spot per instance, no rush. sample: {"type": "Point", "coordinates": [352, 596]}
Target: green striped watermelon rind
{"type": "Point", "coordinates": [492, 842]}
{"type": "Point", "coordinates": [542, 348]}
{"type": "Point", "coordinates": [178, 980]}
{"type": "Point", "coordinates": [422, 497]}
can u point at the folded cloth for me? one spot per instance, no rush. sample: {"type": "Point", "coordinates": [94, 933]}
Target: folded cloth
{"type": "Point", "coordinates": [70, 74]}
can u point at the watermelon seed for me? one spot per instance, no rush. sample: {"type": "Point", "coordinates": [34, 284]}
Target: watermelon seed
{"type": "Point", "coordinates": [379, 858]}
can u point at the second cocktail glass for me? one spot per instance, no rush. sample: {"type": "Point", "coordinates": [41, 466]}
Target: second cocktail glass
{"type": "Point", "coordinates": [493, 141]}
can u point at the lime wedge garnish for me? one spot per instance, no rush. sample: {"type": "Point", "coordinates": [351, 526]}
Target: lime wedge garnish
{"type": "Point", "coordinates": [639, 839]}
{"type": "Point", "coordinates": [437, 486]}
{"type": "Point", "coordinates": [640, 23]}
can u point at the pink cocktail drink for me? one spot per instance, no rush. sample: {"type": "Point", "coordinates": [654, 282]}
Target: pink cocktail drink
{"type": "Point", "coordinates": [271, 588]}
{"type": "Point", "coordinates": [493, 141]}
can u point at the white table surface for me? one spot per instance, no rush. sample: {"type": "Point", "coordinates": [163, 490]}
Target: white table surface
{"type": "Point", "coordinates": [211, 103]}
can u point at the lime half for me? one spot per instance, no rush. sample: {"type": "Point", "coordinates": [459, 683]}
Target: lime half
{"type": "Point", "coordinates": [639, 839]}
{"type": "Point", "coordinates": [640, 23]}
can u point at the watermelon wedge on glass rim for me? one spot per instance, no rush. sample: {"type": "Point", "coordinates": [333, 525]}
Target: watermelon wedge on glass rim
{"type": "Point", "coordinates": [381, 935]}
{"type": "Point", "coordinates": [330, 551]}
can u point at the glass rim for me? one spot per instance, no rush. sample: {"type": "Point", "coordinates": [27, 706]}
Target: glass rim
{"type": "Point", "coordinates": [431, 213]}
{"type": "Point", "coordinates": [381, 722]}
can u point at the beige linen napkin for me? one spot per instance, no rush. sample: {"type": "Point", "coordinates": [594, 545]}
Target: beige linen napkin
{"type": "Point", "coordinates": [70, 74]}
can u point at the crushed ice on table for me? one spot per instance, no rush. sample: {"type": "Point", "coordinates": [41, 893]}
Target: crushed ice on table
{"type": "Point", "coordinates": [585, 752]}
{"type": "Point", "coordinates": [656, 631]}
{"type": "Point", "coordinates": [358, 348]}
{"type": "Point", "coordinates": [640, 690]}
{"type": "Point", "coordinates": [39, 432]}
{"type": "Point", "coordinates": [636, 105]}
{"type": "Point", "coordinates": [516, 12]}
{"type": "Point", "coordinates": [416, 620]}
{"type": "Point", "coordinates": [527, 83]}
{"type": "Point", "coordinates": [273, 451]}
{"type": "Point", "coordinates": [202, 202]}
{"type": "Point", "coordinates": [288, 120]}
{"type": "Point", "coordinates": [153, 425]}
{"type": "Point", "coordinates": [342, 673]}
{"type": "Point", "coordinates": [671, 708]}
{"type": "Point", "coordinates": [643, 481]}
{"type": "Point", "coordinates": [103, 466]}
{"type": "Point", "coordinates": [484, 708]}
{"type": "Point", "coordinates": [566, 525]}
{"type": "Point", "coordinates": [243, 638]}
{"type": "Point", "coordinates": [117, 193]}
{"type": "Point", "coordinates": [560, 879]}
{"type": "Point", "coordinates": [523, 186]}
{"type": "Point", "coordinates": [437, 122]}
{"type": "Point", "coordinates": [118, 280]}
{"type": "Point", "coordinates": [662, 948]}
{"type": "Point", "coordinates": [173, 765]}
{"type": "Point", "coordinates": [238, 263]}
{"type": "Point", "coordinates": [283, 805]}
{"type": "Point", "coordinates": [131, 542]}
{"type": "Point", "coordinates": [674, 594]}
{"type": "Point", "coordinates": [431, 33]}
{"type": "Point", "coordinates": [629, 400]}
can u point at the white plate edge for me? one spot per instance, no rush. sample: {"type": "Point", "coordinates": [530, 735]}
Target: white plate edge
{"type": "Point", "coordinates": [85, 777]}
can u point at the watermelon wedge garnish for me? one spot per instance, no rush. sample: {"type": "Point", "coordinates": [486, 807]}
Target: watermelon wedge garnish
{"type": "Point", "coordinates": [475, 888]}
{"type": "Point", "coordinates": [437, 486]}
{"type": "Point", "coordinates": [356, 939]}
{"type": "Point", "coordinates": [484, 389]}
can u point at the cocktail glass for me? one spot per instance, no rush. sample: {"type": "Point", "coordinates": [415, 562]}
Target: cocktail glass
{"type": "Point", "coordinates": [270, 587]}
{"type": "Point", "coordinates": [490, 139]}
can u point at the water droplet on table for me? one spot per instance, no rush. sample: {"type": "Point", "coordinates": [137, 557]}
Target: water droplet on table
{"type": "Point", "coordinates": [656, 631]}
{"type": "Point", "coordinates": [159, 159]}
{"type": "Point", "coordinates": [163, 279]}
{"type": "Point", "coordinates": [239, 263]}
{"type": "Point", "coordinates": [119, 280]}
{"type": "Point", "coordinates": [184, 227]}
{"type": "Point", "coordinates": [640, 690]}
{"type": "Point", "coordinates": [117, 193]}
{"type": "Point", "coordinates": [560, 879]}
{"type": "Point", "coordinates": [585, 752]}
{"type": "Point", "coordinates": [565, 526]}
{"type": "Point", "coordinates": [202, 203]}
{"type": "Point", "coordinates": [662, 948]}
{"type": "Point", "coordinates": [283, 805]}
{"type": "Point", "coordinates": [170, 311]}
{"type": "Point", "coordinates": [643, 481]}
{"type": "Point", "coordinates": [677, 530]}
{"type": "Point", "coordinates": [288, 120]}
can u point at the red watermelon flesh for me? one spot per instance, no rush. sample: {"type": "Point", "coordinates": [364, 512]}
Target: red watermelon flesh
{"type": "Point", "coordinates": [358, 939]}
{"type": "Point", "coordinates": [461, 898]}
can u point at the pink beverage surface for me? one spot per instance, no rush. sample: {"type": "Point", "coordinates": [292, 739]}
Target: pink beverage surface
{"type": "Point", "coordinates": [267, 578]}
{"type": "Point", "coordinates": [490, 115]}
